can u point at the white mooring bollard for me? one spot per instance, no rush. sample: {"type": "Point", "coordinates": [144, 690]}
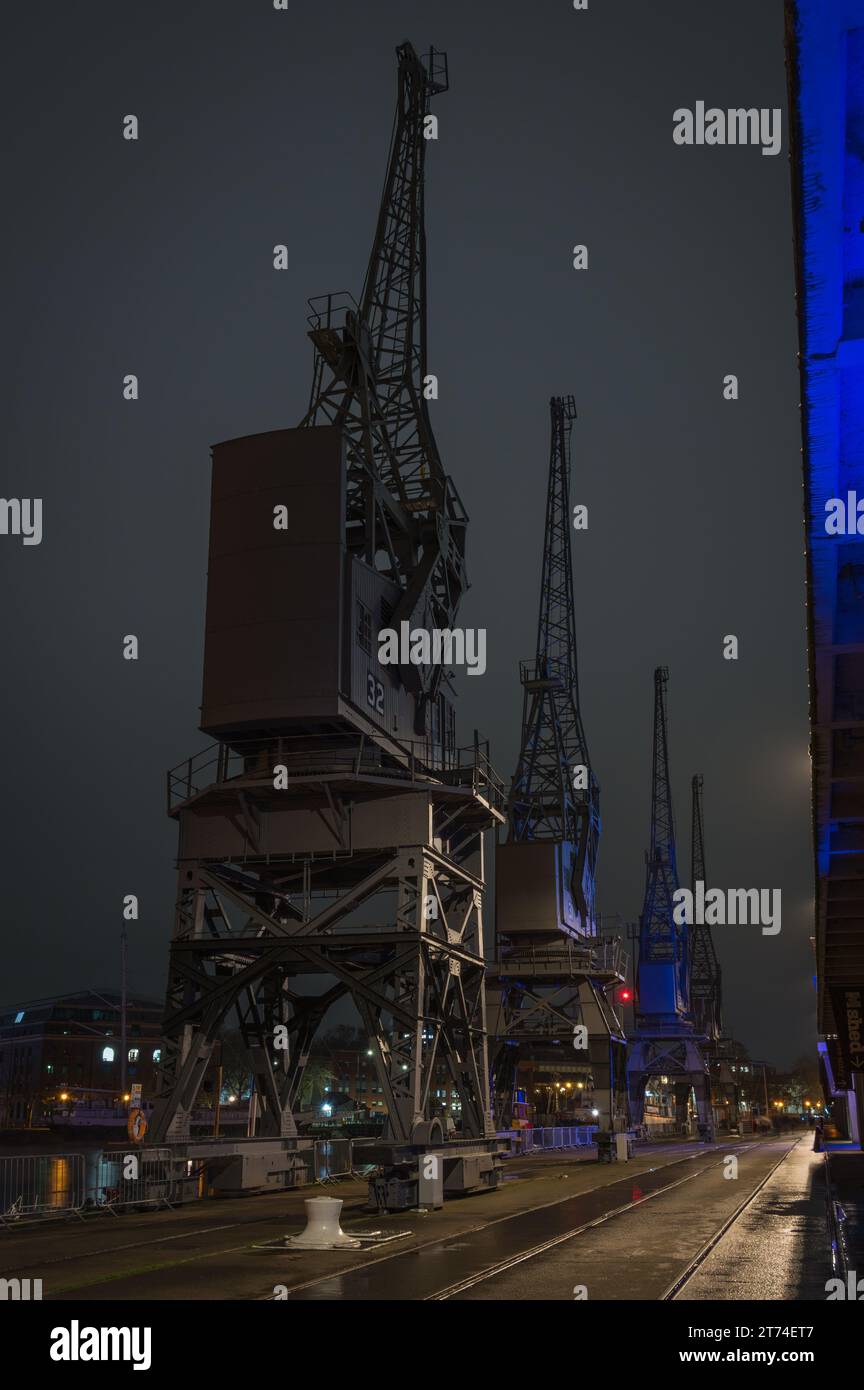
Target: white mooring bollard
{"type": "Point", "coordinates": [323, 1231]}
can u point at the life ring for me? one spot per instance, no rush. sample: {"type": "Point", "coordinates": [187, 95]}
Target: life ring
{"type": "Point", "coordinates": [136, 1125]}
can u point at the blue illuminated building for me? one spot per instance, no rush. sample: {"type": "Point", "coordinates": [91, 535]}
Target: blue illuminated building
{"type": "Point", "coordinates": [826, 74]}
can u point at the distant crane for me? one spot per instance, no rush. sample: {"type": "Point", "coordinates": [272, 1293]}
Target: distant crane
{"type": "Point", "coordinates": [666, 1040]}
{"type": "Point", "coordinates": [551, 972]}
{"type": "Point", "coordinates": [721, 1053]}
{"type": "Point", "coordinates": [663, 995]}
{"type": "Point", "coordinates": [554, 795]}
{"type": "Point", "coordinates": [705, 978]}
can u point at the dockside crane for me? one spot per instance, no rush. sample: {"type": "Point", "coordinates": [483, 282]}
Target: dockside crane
{"type": "Point", "coordinates": [549, 986]}
{"type": "Point", "coordinates": [663, 995]}
{"type": "Point", "coordinates": [335, 830]}
{"type": "Point", "coordinates": [666, 1040]}
{"type": "Point", "coordinates": [721, 1052]}
{"type": "Point", "coordinates": [554, 796]}
{"type": "Point", "coordinates": [705, 976]}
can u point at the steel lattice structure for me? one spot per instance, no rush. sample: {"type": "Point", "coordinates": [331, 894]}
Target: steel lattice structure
{"type": "Point", "coordinates": [660, 937]}
{"type": "Point", "coordinates": [546, 800]}
{"type": "Point", "coordinates": [665, 1039]}
{"type": "Point", "coordinates": [363, 862]}
{"type": "Point", "coordinates": [404, 514]}
{"type": "Point", "coordinates": [705, 978]}
{"type": "Point", "coordinates": [551, 974]}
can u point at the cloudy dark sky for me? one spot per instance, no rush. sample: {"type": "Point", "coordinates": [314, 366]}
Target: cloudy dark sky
{"type": "Point", "coordinates": [260, 127]}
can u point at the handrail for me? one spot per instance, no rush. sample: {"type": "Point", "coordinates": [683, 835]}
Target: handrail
{"type": "Point", "coordinates": [254, 759]}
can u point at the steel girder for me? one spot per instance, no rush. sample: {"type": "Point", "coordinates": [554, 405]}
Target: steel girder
{"type": "Point", "coordinates": [249, 926]}
{"type": "Point", "coordinates": [528, 1017]}
{"type": "Point", "coordinates": [679, 1057]}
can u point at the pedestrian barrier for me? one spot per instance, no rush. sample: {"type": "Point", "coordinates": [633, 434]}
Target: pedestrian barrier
{"type": "Point", "coordinates": [36, 1184]}
{"type": "Point", "coordinates": [36, 1187]}
{"type": "Point", "coordinates": [146, 1177]}
{"type": "Point", "coordinates": [333, 1159]}
{"type": "Point", "coordinates": [524, 1141]}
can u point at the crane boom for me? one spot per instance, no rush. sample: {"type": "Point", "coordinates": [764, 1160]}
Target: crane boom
{"type": "Point", "coordinates": [554, 794]}
{"type": "Point", "coordinates": [663, 942]}
{"type": "Point", "coordinates": [404, 517]}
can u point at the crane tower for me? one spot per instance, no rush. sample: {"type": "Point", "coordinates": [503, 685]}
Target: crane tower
{"type": "Point", "coordinates": [331, 838]}
{"type": "Point", "coordinates": [552, 975]}
{"type": "Point", "coordinates": [666, 1039]}
{"type": "Point", "coordinates": [705, 978]}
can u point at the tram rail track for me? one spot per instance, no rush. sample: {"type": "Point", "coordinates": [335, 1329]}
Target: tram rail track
{"type": "Point", "coordinates": [515, 1226]}
{"type": "Point", "coordinates": [687, 1274]}
{"type": "Point", "coordinates": [355, 1280]}
{"type": "Point", "coordinates": [504, 1265]}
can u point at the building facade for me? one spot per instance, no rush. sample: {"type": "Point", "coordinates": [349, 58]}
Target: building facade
{"type": "Point", "coordinates": [65, 1051]}
{"type": "Point", "coordinates": [825, 42]}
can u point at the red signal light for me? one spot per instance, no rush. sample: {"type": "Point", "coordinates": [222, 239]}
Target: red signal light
{"type": "Point", "coordinates": [625, 995]}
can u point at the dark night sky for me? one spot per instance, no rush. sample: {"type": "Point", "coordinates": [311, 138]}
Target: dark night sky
{"type": "Point", "coordinates": [155, 257]}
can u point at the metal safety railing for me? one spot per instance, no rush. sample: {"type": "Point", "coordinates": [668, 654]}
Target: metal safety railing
{"type": "Point", "coordinates": [140, 1178]}
{"type": "Point", "coordinates": [548, 1138]}
{"type": "Point", "coordinates": [40, 1187]}
{"type": "Point", "coordinates": [664, 1127]}
{"type": "Point", "coordinates": [333, 1159]}
{"type": "Point", "coordinates": [35, 1184]}
{"type": "Point", "coordinates": [600, 956]}
{"type": "Point", "coordinates": [251, 762]}
{"type": "Point", "coordinates": [44, 1186]}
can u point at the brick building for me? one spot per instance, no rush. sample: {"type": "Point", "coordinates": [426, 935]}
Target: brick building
{"type": "Point", "coordinates": [66, 1050]}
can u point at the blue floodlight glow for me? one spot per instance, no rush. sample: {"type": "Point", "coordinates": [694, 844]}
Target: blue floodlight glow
{"type": "Point", "coordinates": [828, 145]}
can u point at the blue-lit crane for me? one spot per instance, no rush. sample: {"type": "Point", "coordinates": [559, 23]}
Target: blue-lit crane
{"type": "Point", "coordinates": [666, 1040]}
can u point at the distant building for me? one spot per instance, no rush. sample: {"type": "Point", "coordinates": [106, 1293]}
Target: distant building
{"type": "Point", "coordinates": [343, 1065]}
{"type": "Point", "coordinates": [351, 1072]}
{"type": "Point", "coordinates": [65, 1050]}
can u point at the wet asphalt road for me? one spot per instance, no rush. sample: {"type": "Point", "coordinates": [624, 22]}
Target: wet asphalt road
{"type": "Point", "coordinates": [559, 1223]}
{"type": "Point", "coordinates": [779, 1248]}
{"type": "Point", "coordinates": [629, 1239]}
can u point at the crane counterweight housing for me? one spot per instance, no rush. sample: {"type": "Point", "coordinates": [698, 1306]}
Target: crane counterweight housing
{"type": "Point", "coordinates": [534, 887]}
{"type": "Point", "coordinates": [292, 616]}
